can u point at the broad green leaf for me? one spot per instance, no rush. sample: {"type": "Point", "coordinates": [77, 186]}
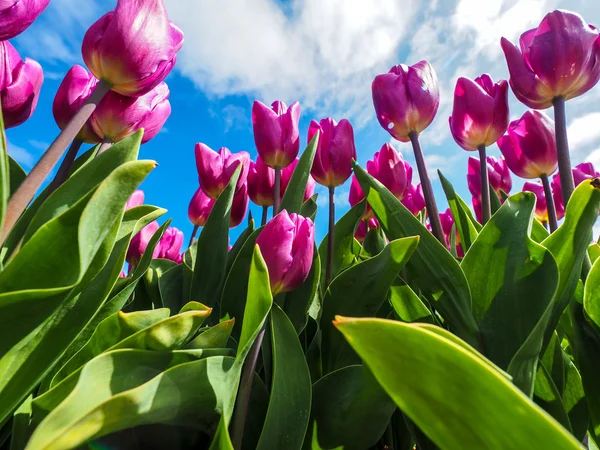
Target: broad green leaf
{"type": "Point", "coordinates": [431, 269]}
{"type": "Point", "coordinates": [374, 243]}
{"type": "Point", "coordinates": [591, 296]}
{"type": "Point", "coordinates": [238, 245]}
{"type": "Point", "coordinates": [4, 172]}
{"type": "Point", "coordinates": [456, 399]}
{"type": "Point", "coordinates": [20, 426]}
{"type": "Point", "coordinates": [294, 193]}
{"type": "Point", "coordinates": [170, 287]}
{"type": "Point", "coordinates": [221, 439]}
{"type": "Point", "coordinates": [495, 202]}
{"type": "Point", "coordinates": [594, 252]}
{"type": "Point", "coordinates": [289, 403]}
{"type": "Point", "coordinates": [548, 397]}
{"type": "Point", "coordinates": [359, 292]}
{"type": "Point", "coordinates": [298, 301]}
{"type": "Point", "coordinates": [151, 280]}
{"type": "Point", "coordinates": [350, 410]}
{"type": "Point", "coordinates": [257, 412]}
{"type": "Point", "coordinates": [538, 231]}
{"type": "Point", "coordinates": [407, 305]}
{"type": "Point", "coordinates": [216, 336]}
{"type": "Point", "coordinates": [16, 174]}
{"type": "Point", "coordinates": [309, 208]}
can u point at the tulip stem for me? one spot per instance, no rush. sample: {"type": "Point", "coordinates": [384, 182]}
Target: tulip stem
{"type": "Point", "coordinates": [105, 145]}
{"type": "Point", "coordinates": [265, 216]}
{"type": "Point", "coordinates": [549, 204]}
{"type": "Point", "coordinates": [432, 210]}
{"type": "Point", "coordinates": [194, 231]}
{"type": "Point", "coordinates": [44, 166]}
{"type": "Point", "coordinates": [330, 236]}
{"type": "Point", "coordinates": [277, 191]}
{"type": "Point", "coordinates": [65, 167]}
{"type": "Point", "coordinates": [486, 209]}
{"type": "Point", "coordinates": [562, 149]}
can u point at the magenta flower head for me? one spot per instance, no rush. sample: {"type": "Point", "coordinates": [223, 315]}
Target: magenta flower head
{"type": "Point", "coordinates": [581, 172]}
{"type": "Point", "coordinates": [529, 147]}
{"type": "Point", "coordinates": [287, 243]}
{"type": "Point", "coordinates": [169, 246]}
{"type": "Point", "coordinates": [239, 207]}
{"type": "Point", "coordinates": [561, 57]}
{"type": "Point", "coordinates": [139, 243]}
{"type": "Point", "coordinates": [261, 179]}
{"type": "Point", "coordinates": [216, 168]}
{"type": "Point", "coordinates": [390, 169]}
{"type": "Point", "coordinates": [480, 115]}
{"type": "Point", "coordinates": [200, 207]}
{"type": "Point", "coordinates": [136, 199]}
{"type": "Point", "coordinates": [361, 230]}
{"type": "Point", "coordinates": [72, 93]}
{"type": "Point", "coordinates": [276, 133]}
{"type": "Point", "coordinates": [20, 84]}
{"type": "Point", "coordinates": [414, 200]}
{"type": "Point", "coordinates": [541, 207]}
{"type": "Point", "coordinates": [356, 194]}
{"type": "Point", "coordinates": [117, 116]}
{"type": "Point", "coordinates": [133, 47]}
{"type": "Point", "coordinates": [17, 15]}
{"type": "Point", "coordinates": [286, 176]}
{"type": "Point", "coordinates": [335, 151]}
{"type": "Point", "coordinates": [406, 99]}
{"type": "Point", "coordinates": [498, 173]}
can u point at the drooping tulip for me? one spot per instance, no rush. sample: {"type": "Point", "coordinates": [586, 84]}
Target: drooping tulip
{"type": "Point", "coordinates": [117, 116]}
{"type": "Point", "coordinates": [133, 47]}
{"type": "Point", "coordinates": [139, 243]}
{"type": "Point", "coordinates": [480, 114]}
{"type": "Point", "coordinates": [390, 169]}
{"type": "Point", "coordinates": [406, 99]}
{"type": "Point", "coordinates": [72, 93]}
{"type": "Point", "coordinates": [136, 199]}
{"type": "Point", "coordinates": [335, 151]}
{"type": "Point", "coordinates": [216, 168]}
{"type": "Point", "coordinates": [414, 199]}
{"type": "Point", "coordinates": [286, 176]}
{"type": "Point", "coordinates": [20, 84]}
{"type": "Point", "coordinates": [239, 207]}
{"type": "Point", "coordinates": [529, 147]}
{"type": "Point", "coordinates": [498, 173]}
{"type": "Point", "coordinates": [17, 15]}
{"type": "Point", "coordinates": [362, 231]}
{"type": "Point", "coordinates": [261, 179]}
{"type": "Point", "coordinates": [541, 206]}
{"type": "Point", "coordinates": [200, 207]}
{"type": "Point", "coordinates": [287, 244]}
{"type": "Point", "coordinates": [169, 246]}
{"type": "Point", "coordinates": [276, 133]}
{"type": "Point", "coordinates": [559, 58]}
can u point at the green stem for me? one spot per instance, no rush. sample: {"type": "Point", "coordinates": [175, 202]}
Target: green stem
{"type": "Point", "coordinates": [486, 209]}
{"type": "Point", "coordinates": [193, 236]}
{"type": "Point", "coordinates": [330, 236]}
{"type": "Point", "coordinates": [549, 204]}
{"type": "Point", "coordinates": [567, 183]}
{"type": "Point", "coordinates": [65, 167]}
{"type": "Point", "coordinates": [265, 216]}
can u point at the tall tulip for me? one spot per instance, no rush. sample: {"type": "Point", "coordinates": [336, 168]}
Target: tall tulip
{"type": "Point", "coordinates": [239, 206]}
{"type": "Point", "coordinates": [260, 183]}
{"type": "Point", "coordinates": [557, 61]}
{"type": "Point", "coordinates": [17, 15]}
{"type": "Point", "coordinates": [169, 246]}
{"type": "Point", "coordinates": [390, 169]}
{"type": "Point", "coordinates": [139, 243]}
{"type": "Point", "coordinates": [216, 168]}
{"type": "Point", "coordinates": [198, 211]}
{"type": "Point", "coordinates": [406, 100]}
{"type": "Point", "coordinates": [541, 205]}
{"type": "Point", "coordinates": [276, 133]}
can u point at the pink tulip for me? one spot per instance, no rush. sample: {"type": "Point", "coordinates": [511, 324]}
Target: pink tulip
{"type": "Point", "coordinates": [356, 195]}
{"type": "Point", "coordinates": [414, 199]}
{"type": "Point", "coordinates": [406, 99]}
{"type": "Point", "coordinates": [136, 199]}
{"type": "Point", "coordinates": [276, 132]}
{"type": "Point", "coordinates": [117, 116]}
{"type": "Point", "coordinates": [133, 47]}
{"type": "Point", "coordinates": [200, 207]}
{"type": "Point", "coordinates": [581, 172]}
{"type": "Point", "coordinates": [169, 246]}
{"type": "Point", "coordinates": [72, 93]}
{"type": "Point", "coordinates": [333, 162]}
{"type": "Point", "coordinates": [362, 231]}
{"type": "Point", "coordinates": [541, 206]}
{"type": "Point", "coordinates": [139, 243]}
{"type": "Point", "coordinates": [216, 168]}
{"type": "Point", "coordinates": [287, 244]}
{"type": "Point", "coordinates": [286, 176]}
{"type": "Point", "coordinates": [17, 15]}
{"type": "Point", "coordinates": [20, 84]}
{"type": "Point", "coordinates": [529, 147]}
{"type": "Point", "coordinates": [561, 57]}
{"type": "Point", "coordinates": [261, 179]}
{"type": "Point", "coordinates": [480, 115]}
{"type": "Point", "coordinates": [447, 220]}
{"type": "Point", "coordinates": [498, 173]}
{"type": "Point", "coordinates": [239, 207]}
{"type": "Point", "coordinates": [390, 169]}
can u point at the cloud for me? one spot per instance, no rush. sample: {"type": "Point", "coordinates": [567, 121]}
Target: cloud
{"type": "Point", "coordinates": [234, 118]}
{"type": "Point", "coordinates": [39, 145]}
{"type": "Point", "coordinates": [584, 130]}
{"type": "Point", "coordinates": [340, 197]}
{"type": "Point", "coordinates": [21, 155]}
{"type": "Point", "coordinates": [444, 163]}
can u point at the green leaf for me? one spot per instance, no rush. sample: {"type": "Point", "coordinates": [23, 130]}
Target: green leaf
{"type": "Point", "coordinates": [359, 292]}
{"type": "Point", "coordinates": [374, 243]}
{"type": "Point", "coordinates": [221, 440]}
{"type": "Point", "coordinates": [298, 301]}
{"type": "Point", "coordinates": [594, 252]}
{"type": "Point", "coordinates": [453, 396]}
{"type": "Point", "coordinates": [16, 175]}
{"type": "Point", "coordinates": [294, 194]}
{"type": "Point", "coordinates": [5, 187]}
{"type": "Point", "coordinates": [407, 305]}
{"type": "Point", "coordinates": [151, 280]}
{"type": "Point", "coordinates": [289, 403]}
{"type": "Point", "coordinates": [238, 245]}
{"type": "Point", "coordinates": [538, 231]}
{"type": "Point", "coordinates": [431, 269]}
{"type": "Point", "coordinates": [591, 296]}
{"type": "Point", "coordinates": [20, 426]}
{"type": "Point", "coordinates": [216, 336]}
{"type": "Point", "coordinates": [309, 208]}
{"type": "Point", "coordinates": [170, 286]}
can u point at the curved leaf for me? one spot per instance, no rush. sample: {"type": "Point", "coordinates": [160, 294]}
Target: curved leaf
{"type": "Point", "coordinates": [216, 336]}
{"type": "Point", "coordinates": [298, 301]}
{"type": "Point", "coordinates": [591, 295]}
{"type": "Point", "coordinates": [294, 194]}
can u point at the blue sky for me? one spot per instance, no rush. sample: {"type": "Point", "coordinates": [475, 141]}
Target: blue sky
{"type": "Point", "coordinates": [323, 53]}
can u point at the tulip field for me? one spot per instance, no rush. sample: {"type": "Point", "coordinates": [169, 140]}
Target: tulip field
{"type": "Point", "coordinates": [406, 327]}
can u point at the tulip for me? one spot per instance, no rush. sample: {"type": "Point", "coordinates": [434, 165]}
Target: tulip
{"type": "Point", "coordinates": [17, 15]}
{"type": "Point", "coordinates": [239, 207]}
{"type": "Point", "coordinates": [414, 200]}
{"type": "Point", "coordinates": [260, 183]}
{"type": "Point", "coordinates": [200, 207]}
{"type": "Point", "coordinates": [286, 176]}
{"type": "Point", "coordinates": [364, 226]}
{"type": "Point", "coordinates": [216, 168]}
{"type": "Point", "coordinates": [335, 151]}
{"type": "Point", "coordinates": [136, 199]}
{"type": "Point", "coordinates": [581, 172]}
{"type": "Point", "coordinates": [541, 208]}
{"type": "Point", "coordinates": [20, 84]}
{"type": "Point", "coordinates": [169, 246]}
{"type": "Point", "coordinates": [287, 245]}
{"type": "Point", "coordinates": [132, 48]}
{"type": "Point", "coordinates": [276, 133]}
{"type": "Point", "coordinates": [139, 243]}
{"type": "Point", "coordinates": [498, 173]}
{"type": "Point", "coordinates": [390, 169]}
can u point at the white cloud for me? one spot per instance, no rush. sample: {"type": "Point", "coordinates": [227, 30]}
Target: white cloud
{"type": "Point", "coordinates": [445, 163]}
{"type": "Point", "coordinates": [583, 131]}
{"type": "Point", "coordinates": [39, 145]}
{"type": "Point", "coordinates": [21, 155]}
{"type": "Point", "coordinates": [594, 158]}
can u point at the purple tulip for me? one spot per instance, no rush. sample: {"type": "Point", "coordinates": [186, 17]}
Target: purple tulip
{"type": "Point", "coordinates": [17, 15]}
{"type": "Point", "coordinates": [406, 99]}
{"type": "Point", "coordinates": [390, 169]}
{"type": "Point", "coordinates": [117, 116]}
{"type": "Point", "coordinates": [561, 57]}
{"type": "Point", "coordinates": [136, 199]}
{"type": "Point", "coordinates": [286, 176]}
{"type": "Point", "coordinates": [200, 207]}
{"type": "Point", "coordinates": [239, 207]}
{"type": "Point", "coordinates": [169, 246]}
{"type": "Point", "coordinates": [276, 132]}
{"type": "Point", "coordinates": [261, 179]}
{"type": "Point", "coordinates": [72, 93]}
{"type": "Point", "coordinates": [139, 243]}
{"type": "Point", "coordinates": [361, 230]}
{"type": "Point", "coordinates": [414, 200]}
{"type": "Point", "coordinates": [581, 172]}
{"type": "Point", "coordinates": [480, 115]}
{"type": "Point", "coordinates": [287, 244]}
{"type": "Point", "coordinates": [20, 84]}
{"type": "Point", "coordinates": [541, 206]}
{"type": "Point", "coordinates": [133, 47]}
{"type": "Point", "coordinates": [498, 173]}
{"type": "Point", "coordinates": [335, 151]}
{"type": "Point", "coordinates": [529, 147]}
{"type": "Point", "coordinates": [216, 168]}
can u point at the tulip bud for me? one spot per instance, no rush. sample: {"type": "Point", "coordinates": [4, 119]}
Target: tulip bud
{"type": "Point", "coordinates": [406, 99]}
{"type": "Point", "coordinates": [133, 47]}
{"type": "Point", "coordinates": [216, 168]}
{"type": "Point", "coordinates": [286, 176]}
{"type": "Point", "coordinates": [200, 207]}
{"type": "Point", "coordinates": [287, 244]}
{"type": "Point", "coordinates": [169, 246]}
{"type": "Point", "coordinates": [390, 169]}
{"type": "Point", "coordinates": [480, 115]}
{"type": "Point", "coordinates": [72, 93]}
{"type": "Point", "coordinates": [414, 200]}
{"type": "Point", "coordinates": [498, 173]}
{"type": "Point", "coordinates": [261, 179]}
{"type": "Point", "coordinates": [136, 199]}
{"type": "Point", "coordinates": [20, 84]}
{"type": "Point", "coordinates": [239, 207]}
{"type": "Point", "coordinates": [117, 116]}
{"type": "Point", "coordinates": [139, 243]}
{"type": "Point", "coordinates": [276, 132]}
{"type": "Point", "coordinates": [335, 151]}
{"type": "Point", "coordinates": [561, 57]}
{"type": "Point", "coordinates": [529, 147]}
{"type": "Point", "coordinates": [541, 207]}
{"type": "Point", "coordinates": [362, 231]}
{"type": "Point", "coordinates": [17, 15]}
